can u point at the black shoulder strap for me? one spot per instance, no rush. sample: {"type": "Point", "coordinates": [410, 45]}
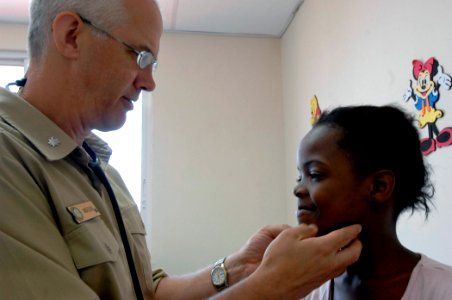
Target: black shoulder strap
{"type": "Point", "coordinates": [95, 166]}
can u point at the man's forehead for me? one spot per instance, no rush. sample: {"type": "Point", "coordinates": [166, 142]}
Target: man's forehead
{"type": "Point", "coordinates": [144, 24]}
{"type": "Point", "coordinates": [144, 14]}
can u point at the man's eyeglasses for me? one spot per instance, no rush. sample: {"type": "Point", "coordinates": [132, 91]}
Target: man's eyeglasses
{"type": "Point", "coordinates": [144, 58]}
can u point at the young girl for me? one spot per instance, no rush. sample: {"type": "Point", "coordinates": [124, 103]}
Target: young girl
{"type": "Point", "coordinates": [363, 164]}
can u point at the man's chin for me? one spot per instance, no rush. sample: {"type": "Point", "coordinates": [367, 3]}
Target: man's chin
{"type": "Point", "coordinates": [112, 125]}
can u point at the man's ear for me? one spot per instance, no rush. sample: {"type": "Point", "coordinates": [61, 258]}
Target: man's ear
{"type": "Point", "coordinates": [66, 28]}
{"type": "Point", "coordinates": [383, 185]}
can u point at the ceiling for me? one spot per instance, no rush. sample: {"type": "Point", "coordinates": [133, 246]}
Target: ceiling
{"type": "Point", "coordinates": [228, 17]}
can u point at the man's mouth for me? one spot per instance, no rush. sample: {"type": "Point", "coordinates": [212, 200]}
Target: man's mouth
{"type": "Point", "coordinates": [129, 102]}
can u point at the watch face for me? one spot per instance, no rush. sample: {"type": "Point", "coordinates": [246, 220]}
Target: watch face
{"type": "Point", "coordinates": [218, 276]}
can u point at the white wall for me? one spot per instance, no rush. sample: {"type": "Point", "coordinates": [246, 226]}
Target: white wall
{"type": "Point", "coordinates": [217, 156]}
{"type": "Point", "coordinates": [359, 52]}
{"type": "Point", "coordinates": [13, 37]}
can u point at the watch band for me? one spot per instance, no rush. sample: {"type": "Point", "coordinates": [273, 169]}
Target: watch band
{"type": "Point", "coordinates": [220, 262]}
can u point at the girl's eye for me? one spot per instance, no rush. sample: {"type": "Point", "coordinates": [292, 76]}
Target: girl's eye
{"type": "Point", "coordinates": [314, 175]}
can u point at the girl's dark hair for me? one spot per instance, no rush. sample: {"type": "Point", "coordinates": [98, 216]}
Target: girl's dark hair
{"type": "Point", "coordinates": [384, 137]}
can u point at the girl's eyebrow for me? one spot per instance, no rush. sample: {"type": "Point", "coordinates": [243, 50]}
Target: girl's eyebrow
{"type": "Point", "coordinates": [310, 163]}
{"type": "Point", "coordinates": [307, 165]}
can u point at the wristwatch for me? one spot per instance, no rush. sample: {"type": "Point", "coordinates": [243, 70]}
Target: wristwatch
{"type": "Point", "coordinates": [219, 275]}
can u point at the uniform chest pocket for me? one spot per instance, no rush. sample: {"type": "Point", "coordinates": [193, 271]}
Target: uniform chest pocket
{"type": "Point", "coordinates": [91, 244]}
{"type": "Point", "coordinates": [133, 221]}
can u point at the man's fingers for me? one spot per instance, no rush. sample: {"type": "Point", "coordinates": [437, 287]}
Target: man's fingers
{"type": "Point", "coordinates": [274, 230]}
{"type": "Point", "coordinates": [347, 256]}
{"type": "Point", "coordinates": [303, 231]}
{"type": "Point", "coordinates": [340, 238]}
{"type": "Point", "coordinates": [345, 247]}
{"type": "Point", "coordinates": [350, 254]}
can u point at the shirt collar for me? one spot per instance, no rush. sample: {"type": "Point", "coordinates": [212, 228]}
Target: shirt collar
{"type": "Point", "coordinates": [99, 146]}
{"type": "Point", "coordinates": [44, 134]}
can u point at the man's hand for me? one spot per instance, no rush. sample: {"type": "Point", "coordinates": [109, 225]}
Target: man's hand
{"type": "Point", "coordinates": [296, 262]}
{"type": "Point", "coordinates": [249, 257]}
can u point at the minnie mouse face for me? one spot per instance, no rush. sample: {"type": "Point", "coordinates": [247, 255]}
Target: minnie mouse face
{"type": "Point", "coordinates": [424, 84]}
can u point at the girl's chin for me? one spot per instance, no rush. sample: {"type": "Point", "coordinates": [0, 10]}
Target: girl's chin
{"type": "Point", "coordinates": [306, 217]}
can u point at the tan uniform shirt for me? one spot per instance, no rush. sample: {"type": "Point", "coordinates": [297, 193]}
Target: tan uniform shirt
{"type": "Point", "coordinates": [48, 250]}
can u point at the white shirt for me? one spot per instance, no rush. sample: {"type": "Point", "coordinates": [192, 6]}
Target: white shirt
{"type": "Point", "coordinates": [430, 280]}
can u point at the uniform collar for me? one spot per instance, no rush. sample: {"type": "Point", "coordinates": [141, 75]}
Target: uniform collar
{"type": "Point", "coordinates": [44, 134]}
{"type": "Point", "coordinates": [99, 146]}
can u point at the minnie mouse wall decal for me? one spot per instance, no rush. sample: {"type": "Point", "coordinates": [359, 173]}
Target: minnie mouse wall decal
{"type": "Point", "coordinates": [429, 78]}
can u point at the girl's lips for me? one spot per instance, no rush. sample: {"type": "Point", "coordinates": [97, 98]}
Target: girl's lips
{"type": "Point", "coordinates": [306, 215]}
{"type": "Point", "coordinates": [303, 212]}
{"type": "Point", "coordinates": [306, 206]}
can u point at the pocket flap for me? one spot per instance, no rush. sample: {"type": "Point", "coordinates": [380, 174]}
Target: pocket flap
{"type": "Point", "coordinates": [133, 221]}
{"type": "Point", "coordinates": [92, 244]}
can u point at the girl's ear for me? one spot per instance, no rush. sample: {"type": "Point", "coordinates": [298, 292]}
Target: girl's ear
{"type": "Point", "coordinates": [383, 183]}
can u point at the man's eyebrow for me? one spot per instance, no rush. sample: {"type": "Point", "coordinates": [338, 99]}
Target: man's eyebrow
{"type": "Point", "coordinates": [143, 47]}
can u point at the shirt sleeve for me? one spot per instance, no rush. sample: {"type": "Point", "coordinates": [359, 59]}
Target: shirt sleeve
{"type": "Point", "coordinates": [157, 276]}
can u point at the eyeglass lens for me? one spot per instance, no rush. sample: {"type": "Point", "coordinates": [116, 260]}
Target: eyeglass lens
{"type": "Point", "coordinates": [145, 59]}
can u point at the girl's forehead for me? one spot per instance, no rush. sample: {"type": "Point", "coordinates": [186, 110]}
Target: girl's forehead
{"type": "Point", "coordinates": [321, 144]}
{"type": "Point", "coordinates": [321, 136]}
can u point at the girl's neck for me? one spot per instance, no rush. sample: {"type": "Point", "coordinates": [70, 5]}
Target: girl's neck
{"type": "Point", "coordinates": [382, 272]}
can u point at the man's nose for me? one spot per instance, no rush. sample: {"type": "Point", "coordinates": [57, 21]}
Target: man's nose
{"type": "Point", "coordinates": [145, 80]}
